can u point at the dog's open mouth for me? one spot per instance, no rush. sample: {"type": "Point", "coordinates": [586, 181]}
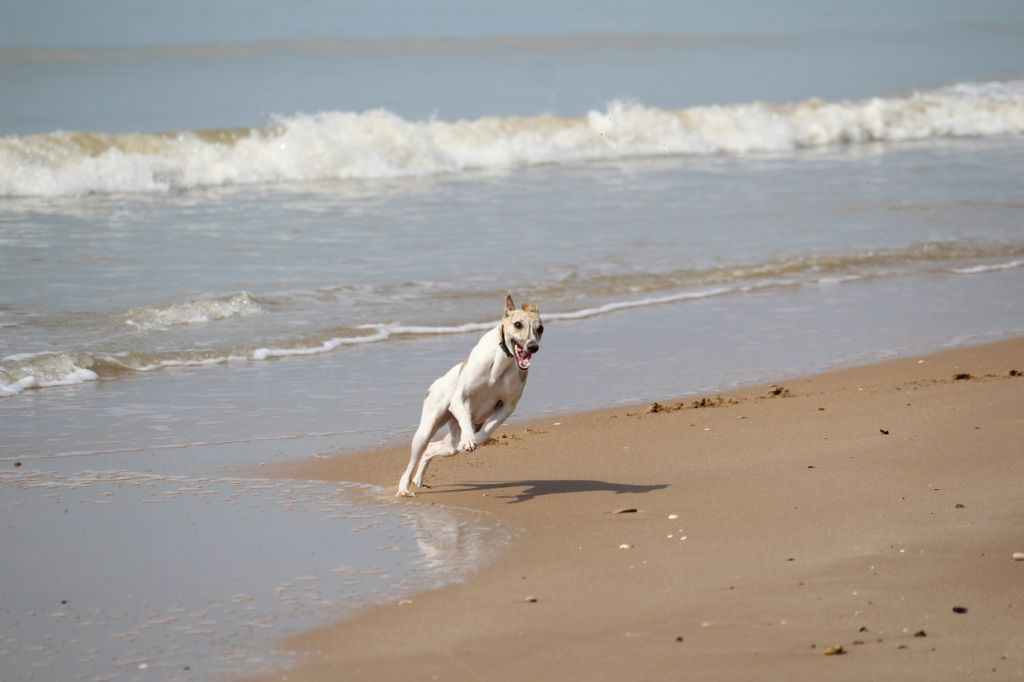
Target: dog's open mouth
{"type": "Point", "coordinates": [522, 357]}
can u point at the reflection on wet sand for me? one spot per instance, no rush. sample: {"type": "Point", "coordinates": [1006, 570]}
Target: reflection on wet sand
{"type": "Point", "coordinates": [112, 572]}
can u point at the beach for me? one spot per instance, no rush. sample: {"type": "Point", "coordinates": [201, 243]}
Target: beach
{"type": "Point", "coordinates": [238, 244]}
{"type": "Point", "coordinates": [742, 535]}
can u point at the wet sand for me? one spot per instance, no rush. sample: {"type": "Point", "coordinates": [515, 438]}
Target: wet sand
{"type": "Point", "coordinates": [876, 508]}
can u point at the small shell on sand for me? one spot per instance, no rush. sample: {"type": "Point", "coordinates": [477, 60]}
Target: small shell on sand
{"type": "Point", "coordinates": [673, 517]}
{"type": "Point", "coordinates": [625, 546]}
{"type": "Point", "coordinates": [1018, 556]}
{"type": "Point", "coordinates": [834, 650]}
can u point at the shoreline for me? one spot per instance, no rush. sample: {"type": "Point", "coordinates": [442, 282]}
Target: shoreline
{"type": "Point", "coordinates": [856, 507]}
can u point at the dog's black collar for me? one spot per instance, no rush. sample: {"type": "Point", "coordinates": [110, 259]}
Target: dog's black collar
{"type": "Point", "coordinates": [501, 344]}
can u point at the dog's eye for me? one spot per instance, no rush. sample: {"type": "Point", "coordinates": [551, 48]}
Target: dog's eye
{"type": "Point", "coordinates": [518, 325]}
{"type": "Point", "coordinates": [540, 329]}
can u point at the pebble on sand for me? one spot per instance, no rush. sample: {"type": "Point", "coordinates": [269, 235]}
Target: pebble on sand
{"type": "Point", "coordinates": [625, 546]}
{"type": "Point", "coordinates": [834, 650]}
{"type": "Point", "coordinates": [1018, 556]}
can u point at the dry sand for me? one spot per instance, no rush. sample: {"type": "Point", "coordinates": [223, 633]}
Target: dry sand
{"type": "Point", "coordinates": [855, 508]}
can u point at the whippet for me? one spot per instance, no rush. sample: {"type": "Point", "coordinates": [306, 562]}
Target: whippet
{"type": "Point", "coordinates": [476, 396]}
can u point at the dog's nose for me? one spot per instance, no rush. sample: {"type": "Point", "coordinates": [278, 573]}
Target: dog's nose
{"type": "Point", "coordinates": [532, 348]}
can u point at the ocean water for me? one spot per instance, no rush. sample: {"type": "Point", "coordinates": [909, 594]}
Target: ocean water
{"type": "Point", "coordinates": [236, 235]}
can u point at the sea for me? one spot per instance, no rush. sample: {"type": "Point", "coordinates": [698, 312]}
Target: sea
{"type": "Point", "coordinates": [236, 234]}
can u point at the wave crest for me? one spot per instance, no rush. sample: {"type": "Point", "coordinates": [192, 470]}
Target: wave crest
{"type": "Point", "coordinates": [193, 312]}
{"type": "Point", "coordinates": [380, 144]}
{"type": "Point", "coordinates": [41, 370]}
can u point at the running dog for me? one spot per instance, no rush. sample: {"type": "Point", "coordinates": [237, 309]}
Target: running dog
{"type": "Point", "coordinates": [476, 396]}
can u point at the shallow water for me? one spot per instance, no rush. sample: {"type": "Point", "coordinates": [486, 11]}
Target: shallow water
{"type": "Point", "coordinates": [233, 276]}
{"type": "Point", "coordinates": [116, 574]}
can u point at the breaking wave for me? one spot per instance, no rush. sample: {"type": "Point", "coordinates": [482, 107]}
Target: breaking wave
{"type": "Point", "coordinates": [41, 370]}
{"type": "Point", "coordinates": [379, 144]}
{"type": "Point", "coordinates": [192, 312]}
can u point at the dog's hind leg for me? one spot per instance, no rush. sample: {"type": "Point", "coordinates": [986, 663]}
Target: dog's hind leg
{"type": "Point", "coordinates": [434, 414]}
{"type": "Point", "coordinates": [442, 448]}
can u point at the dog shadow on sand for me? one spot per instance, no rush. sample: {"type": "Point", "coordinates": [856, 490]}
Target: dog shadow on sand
{"type": "Point", "coordinates": [534, 489]}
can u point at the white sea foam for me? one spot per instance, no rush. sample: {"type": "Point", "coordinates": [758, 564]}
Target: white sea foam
{"type": "Point", "coordinates": [192, 312]}
{"type": "Point", "coordinates": [25, 370]}
{"type": "Point", "coordinates": [638, 303]}
{"type": "Point", "coordinates": [177, 362]}
{"type": "Point", "coordinates": [380, 144]}
{"type": "Point", "coordinates": [388, 330]}
{"type": "Point", "coordinates": [840, 279]}
{"type": "Point", "coordinates": [993, 267]}
{"type": "Point", "coordinates": [40, 370]}
{"type": "Point", "coordinates": [431, 330]}
{"type": "Point", "coordinates": [324, 347]}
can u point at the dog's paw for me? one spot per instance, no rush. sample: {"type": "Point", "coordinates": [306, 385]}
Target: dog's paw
{"type": "Point", "coordinates": [467, 443]}
{"type": "Point", "coordinates": [405, 493]}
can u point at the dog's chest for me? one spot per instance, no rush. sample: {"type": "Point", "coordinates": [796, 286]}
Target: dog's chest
{"type": "Point", "coordinates": [506, 388]}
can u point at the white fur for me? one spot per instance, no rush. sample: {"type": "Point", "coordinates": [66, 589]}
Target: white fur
{"type": "Point", "coordinates": [474, 398]}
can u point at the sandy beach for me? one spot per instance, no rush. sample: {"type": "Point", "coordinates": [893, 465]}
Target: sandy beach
{"type": "Point", "coordinates": [237, 247]}
{"type": "Point", "coordinates": [742, 536]}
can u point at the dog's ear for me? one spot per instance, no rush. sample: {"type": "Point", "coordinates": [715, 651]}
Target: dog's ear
{"type": "Point", "coordinates": [530, 308]}
{"type": "Point", "coordinates": [509, 305]}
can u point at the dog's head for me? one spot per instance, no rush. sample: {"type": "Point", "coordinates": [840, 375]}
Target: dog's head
{"type": "Point", "coordinates": [521, 331]}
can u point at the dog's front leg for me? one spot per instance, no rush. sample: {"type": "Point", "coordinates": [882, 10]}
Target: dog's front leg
{"type": "Point", "coordinates": [460, 409]}
{"type": "Point", "coordinates": [494, 421]}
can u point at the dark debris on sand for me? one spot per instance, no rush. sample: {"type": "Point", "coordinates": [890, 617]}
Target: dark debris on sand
{"type": "Point", "coordinates": [716, 401]}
